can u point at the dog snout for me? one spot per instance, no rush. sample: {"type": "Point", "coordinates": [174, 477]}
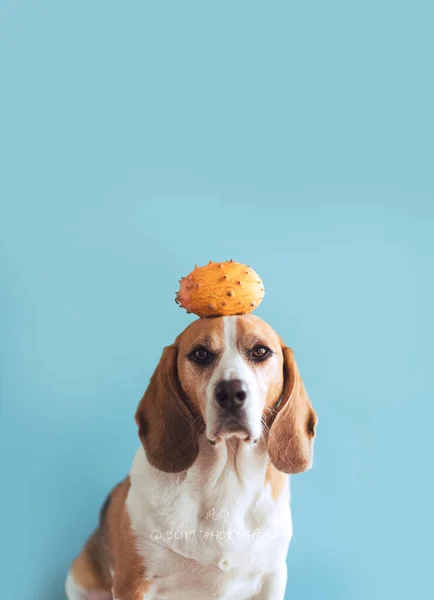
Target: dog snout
{"type": "Point", "coordinates": [232, 394]}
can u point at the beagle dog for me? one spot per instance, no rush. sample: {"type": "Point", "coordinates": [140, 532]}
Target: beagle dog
{"type": "Point", "coordinates": [204, 513]}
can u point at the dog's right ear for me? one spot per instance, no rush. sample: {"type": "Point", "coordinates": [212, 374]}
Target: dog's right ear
{"type": "Point", "coordinates": [166, 424]}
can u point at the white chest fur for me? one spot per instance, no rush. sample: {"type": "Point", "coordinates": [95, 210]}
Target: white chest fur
{"type": "Point", "coordinates": [214, 531]}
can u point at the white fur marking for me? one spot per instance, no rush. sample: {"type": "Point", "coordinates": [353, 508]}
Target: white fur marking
{"type": "Point", "coordinates": [184, 548]}
{"type": "Point", "coordinates": [232, 365]}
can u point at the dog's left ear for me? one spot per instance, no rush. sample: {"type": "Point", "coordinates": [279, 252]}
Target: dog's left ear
{"type": "Point", "coordinates": [165, 419]}
{"type": "Point", "coordinates": [290, 442]}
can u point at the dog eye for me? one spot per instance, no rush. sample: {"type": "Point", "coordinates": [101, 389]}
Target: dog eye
{"type": "Point", "coordinates": [260, 353]}
{"type": "Point", "coordinates": [201, 356]}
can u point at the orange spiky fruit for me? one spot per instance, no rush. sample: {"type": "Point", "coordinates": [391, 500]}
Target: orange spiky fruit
{"type": "Point", "coordinates": [220, 289]}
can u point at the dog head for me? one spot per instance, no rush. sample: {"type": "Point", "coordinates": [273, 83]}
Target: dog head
{"type": "Point", "coordinates": [227, 377]}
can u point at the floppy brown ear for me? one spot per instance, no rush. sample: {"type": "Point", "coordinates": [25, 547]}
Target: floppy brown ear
{"type": "Point", "coordinates": [166, 424]}
{"type": "Point", "coordinates": [290, 442]}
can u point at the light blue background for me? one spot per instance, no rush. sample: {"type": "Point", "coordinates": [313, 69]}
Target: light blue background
{"type": "Point", "coordinates": [138, 139]}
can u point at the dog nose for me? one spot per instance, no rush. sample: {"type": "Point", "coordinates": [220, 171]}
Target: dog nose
{"type": "Point", "coordinates": [231, 394]}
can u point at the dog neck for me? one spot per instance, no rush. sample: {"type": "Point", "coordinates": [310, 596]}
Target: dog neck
{"type": "Point", "coordinates": [231, 462]}
{"type": "Point", "coordinates": [233, 483]}
{"type": "Point", "coordinates": [231, 470]}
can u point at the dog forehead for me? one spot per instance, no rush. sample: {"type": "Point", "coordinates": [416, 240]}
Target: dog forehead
{"type": "Point", "coordinates": [251, 326]}
{"type": "Point", "coordinates": [214, 331]}
{"type": "Point", "coordinates": [208, 331]}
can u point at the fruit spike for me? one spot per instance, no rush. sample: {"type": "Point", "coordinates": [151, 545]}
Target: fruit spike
{"type": "Point", "coordinates": [209, 291]}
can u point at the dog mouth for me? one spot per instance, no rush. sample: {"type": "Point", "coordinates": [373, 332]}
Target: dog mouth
{"type": "Point", "coordinates": [232, 428]}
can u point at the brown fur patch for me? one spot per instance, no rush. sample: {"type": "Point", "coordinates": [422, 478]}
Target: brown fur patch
{"type": "Point", "coordinates": [252, 331]}
{"type": "Point", "coordinates": [113, 547]}
{"type": "Point", "coordinates": [166, 419]}
{"type": "Point", "coordinates": [290, 442]}
{"type": "Point", "coordinates": [129, 580]}
{"type": "Point", "coordinates": [276, 479]}
{"type": "Point", "coordinates": [89, 569]}
{"type": "Point", "coordinates": [193, 380]}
